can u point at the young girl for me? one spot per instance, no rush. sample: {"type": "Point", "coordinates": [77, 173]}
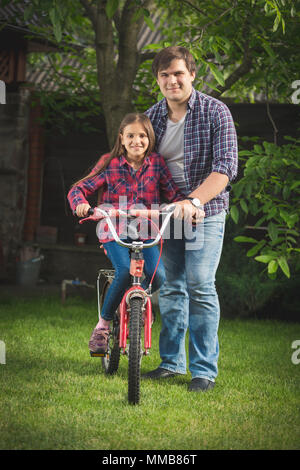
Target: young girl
{"type": "Point", "coordinates": [131, 170]}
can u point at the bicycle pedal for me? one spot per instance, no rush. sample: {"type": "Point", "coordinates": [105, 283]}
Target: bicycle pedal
{"type": "Point", "coordinates": [94, 354]}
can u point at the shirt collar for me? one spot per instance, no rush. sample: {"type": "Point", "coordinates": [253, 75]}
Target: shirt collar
{"type": "Point", "coordinates": [191, 103]}
{"type": "Point", "coordinates": [123, 161]}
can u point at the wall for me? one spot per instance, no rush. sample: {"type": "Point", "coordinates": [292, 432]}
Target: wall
{"type": "Point", "coordinates": [14, 121]}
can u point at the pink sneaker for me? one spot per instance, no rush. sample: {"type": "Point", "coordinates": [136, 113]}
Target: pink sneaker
{"type": "Point", "coordinates": [99, 340]}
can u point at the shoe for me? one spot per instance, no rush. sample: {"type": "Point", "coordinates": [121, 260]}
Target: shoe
{"type": "Point", "coordinates": [99, 340]}
{"type": "Point", "coordinates": [159, 373]}
{"type": "Point", "coordinates": [200, 385]}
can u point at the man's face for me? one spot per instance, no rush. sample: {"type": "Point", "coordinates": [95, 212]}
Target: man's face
{"type": "Point", "coordinates": [176, 81]}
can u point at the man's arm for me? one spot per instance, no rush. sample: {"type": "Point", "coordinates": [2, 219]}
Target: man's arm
{"type": "Point", "coordinates": [210, 188]}
{"type": "Point", "coordinates": [214, 184]}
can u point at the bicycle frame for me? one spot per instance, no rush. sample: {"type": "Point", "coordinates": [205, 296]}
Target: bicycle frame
{"type": "Point", "coordinates": [136, 269]}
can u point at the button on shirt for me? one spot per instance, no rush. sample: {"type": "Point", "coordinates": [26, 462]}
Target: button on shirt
{"type": "Point", "coordinates": [124, 188]}
{"type": "Point", "coordinates": [210, 143]}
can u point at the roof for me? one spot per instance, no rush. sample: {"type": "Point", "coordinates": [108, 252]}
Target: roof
{"type": "Point", "coordinates": [12, 21]}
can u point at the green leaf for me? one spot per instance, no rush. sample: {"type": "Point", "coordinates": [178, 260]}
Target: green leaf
{"type": "Point", "coordinates": [234, 212]}
{"type": "Point", "coordinates": [111, 7]}
{"type": "Point", "coordinates": [244, 153]}
{"type": "Point", "coordinates": [255, 249]}
{"type": "Point", "coordinates": [276, 23]}
{"type": "Point", "coordinates": [149, 22]}
{"type": "Point", "coordinates": [264, 258]}
{"type": "Point", "coordinates": [282, 261]}
{"type": "Point", "coordinates": [272, 266]}
{"type": "Point", "coordinates": [272, 231]}
{"type": "Point", "coordinates": [243, 239]}
{"type": "Point", "coordinates": [244, 206]}
{"type": "Point", "coordinates": [216, 73]}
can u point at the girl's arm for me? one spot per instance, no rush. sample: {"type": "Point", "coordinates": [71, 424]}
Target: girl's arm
{"type": "Point", "coordinates": [78, 194]}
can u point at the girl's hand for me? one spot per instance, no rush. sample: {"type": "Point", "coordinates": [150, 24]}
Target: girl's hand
{"type": "Point", "coordinates": [82, 210]}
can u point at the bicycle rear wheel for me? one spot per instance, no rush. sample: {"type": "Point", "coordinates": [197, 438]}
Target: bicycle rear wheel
{"type": "Point", "coordinates": [110, 362]}
{"type": "Point", "coordinates": [135, 353]}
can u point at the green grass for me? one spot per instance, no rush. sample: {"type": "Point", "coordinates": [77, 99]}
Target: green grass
{"type": "Point", "coordinates": [54, 396]}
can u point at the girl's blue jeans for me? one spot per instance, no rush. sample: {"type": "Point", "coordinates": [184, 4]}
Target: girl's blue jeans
{"type": "Point", "coordinates": [188, 300]}
{"type": "Point", "coordinates": [120, 259]}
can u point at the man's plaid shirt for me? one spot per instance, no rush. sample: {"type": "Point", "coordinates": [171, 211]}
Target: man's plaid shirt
{"type": "Point", "coordinates": [210, 143]}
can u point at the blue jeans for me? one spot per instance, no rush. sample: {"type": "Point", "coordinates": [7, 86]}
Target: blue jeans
{"type": "Point", "coordinates": [188, 299]}
{"type": "Point", "coordinates": [120, 259]}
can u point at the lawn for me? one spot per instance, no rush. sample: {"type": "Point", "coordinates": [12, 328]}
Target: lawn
{"type": "Point", "coordinates": [55, 396]}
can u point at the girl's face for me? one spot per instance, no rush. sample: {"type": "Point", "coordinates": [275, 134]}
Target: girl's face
{"type": "Point", "coordinates": [135, 141]}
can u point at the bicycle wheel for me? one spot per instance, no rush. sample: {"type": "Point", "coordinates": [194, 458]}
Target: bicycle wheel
{"type": "Point", "coordinates": [135, 353]}
{"type": "Point", "coordinates": [110, 362]}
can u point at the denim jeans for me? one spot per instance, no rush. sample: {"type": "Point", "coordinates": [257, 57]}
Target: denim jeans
{"type": "Point", "coordinates": [188, 300]}
{"type": "Point", "coordinates": [120, 259]}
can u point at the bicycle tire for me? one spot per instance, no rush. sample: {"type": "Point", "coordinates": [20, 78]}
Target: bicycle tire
{"type": "Point", "coordinates": [110, 362]}
{"type": "Point", "coordinates": [134, 353]}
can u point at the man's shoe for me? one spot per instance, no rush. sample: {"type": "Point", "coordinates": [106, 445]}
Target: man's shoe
{"type": "Point", "coordinates": [159, 373]}
{"type": "Point", "coordinates": [200, 385]}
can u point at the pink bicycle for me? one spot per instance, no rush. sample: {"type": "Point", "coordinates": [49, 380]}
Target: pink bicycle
{"type": "Point", "coordinates": [133, 318]}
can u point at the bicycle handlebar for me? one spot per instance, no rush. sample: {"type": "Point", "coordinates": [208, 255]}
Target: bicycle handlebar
{"type": "Point", "coordinates": [98, 214]}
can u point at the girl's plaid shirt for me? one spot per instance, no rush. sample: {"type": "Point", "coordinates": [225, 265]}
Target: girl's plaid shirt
{"type": "Point", "coordinates": [125, 188]}
{"type": "Point", "coordinates": [210, 143]}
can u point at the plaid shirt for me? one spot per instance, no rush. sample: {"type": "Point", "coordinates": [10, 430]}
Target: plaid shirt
{"type": "Point", "coordinates": [123, 187]}
{"type": "Point", "coordinates": [210, 143]}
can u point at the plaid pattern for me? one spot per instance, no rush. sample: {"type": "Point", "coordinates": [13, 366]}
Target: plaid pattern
{"type": "Point", "coordinates": [210, 143]}
{"type": "Point", "coordinates": [124, 188]}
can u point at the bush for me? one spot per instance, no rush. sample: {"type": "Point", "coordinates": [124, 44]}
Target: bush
{"type": "Point", "coordinates": [269, 192]}
{"type": "Point", "coordinates": [242, 289]}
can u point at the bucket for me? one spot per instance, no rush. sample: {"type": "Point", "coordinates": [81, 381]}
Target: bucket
{"type": "Point", "coordinates": [80, 239]}
{"type": "Point", "coordinates": [27, 273]}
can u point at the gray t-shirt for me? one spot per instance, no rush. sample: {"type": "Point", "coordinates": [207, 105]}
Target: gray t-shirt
{"type": "Point", "coordinates": [172, 149]}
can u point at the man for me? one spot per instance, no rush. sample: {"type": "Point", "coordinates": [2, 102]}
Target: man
{"type": "Point", "coordinates": [196, 135]}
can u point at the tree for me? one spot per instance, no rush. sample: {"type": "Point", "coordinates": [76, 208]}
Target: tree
{"type": "Point", "coordinates": [244, 48]}
{"type": "Point", "coordinates": [116, 25]}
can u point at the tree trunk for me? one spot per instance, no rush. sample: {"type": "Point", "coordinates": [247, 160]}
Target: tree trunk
{"type": "Point", "coordinates": [116, 64]}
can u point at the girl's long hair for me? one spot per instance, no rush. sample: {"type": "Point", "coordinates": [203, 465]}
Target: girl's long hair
{"type": "Point", "coordinates": [119, 149]}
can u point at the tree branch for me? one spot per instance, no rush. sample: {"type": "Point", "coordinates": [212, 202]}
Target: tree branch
{"type": "Point", "coordinates": [190, 4]}
{"type": "Point", "coordinates": [236, 75]}
{"type": "Point", "coordinates": [143, 56]}
{"type": "Point", "coordinates": [242, 69]}
{"type": "Point", "coordinates": [219, 17]}
{"type": "Point", "coordinates": [90, 11]}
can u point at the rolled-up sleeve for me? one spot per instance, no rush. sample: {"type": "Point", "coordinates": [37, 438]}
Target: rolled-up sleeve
{"type": "Point", "coordinates": [79, 193]}
{"type": "Point", "coordinates": [225, 147]}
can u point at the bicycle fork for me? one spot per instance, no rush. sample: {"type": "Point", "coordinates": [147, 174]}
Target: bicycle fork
{"type": "Point", "coordinates": [135, 291]}
{"type": "Point", "coordinates": [136, 271]}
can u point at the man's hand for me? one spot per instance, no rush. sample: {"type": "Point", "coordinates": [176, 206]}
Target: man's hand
{"type": "Point", "coordinates": [82, 210]}
{"type": "Point", "coordinates": [185, 210]}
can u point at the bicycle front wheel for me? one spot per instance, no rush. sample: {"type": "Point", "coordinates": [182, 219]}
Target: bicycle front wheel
{"type": "Point", "coordinates": [135, 352]}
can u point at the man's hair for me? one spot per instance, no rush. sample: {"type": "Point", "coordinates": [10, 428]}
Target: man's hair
{"type": "Point", "coordinates": [164, 58]}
